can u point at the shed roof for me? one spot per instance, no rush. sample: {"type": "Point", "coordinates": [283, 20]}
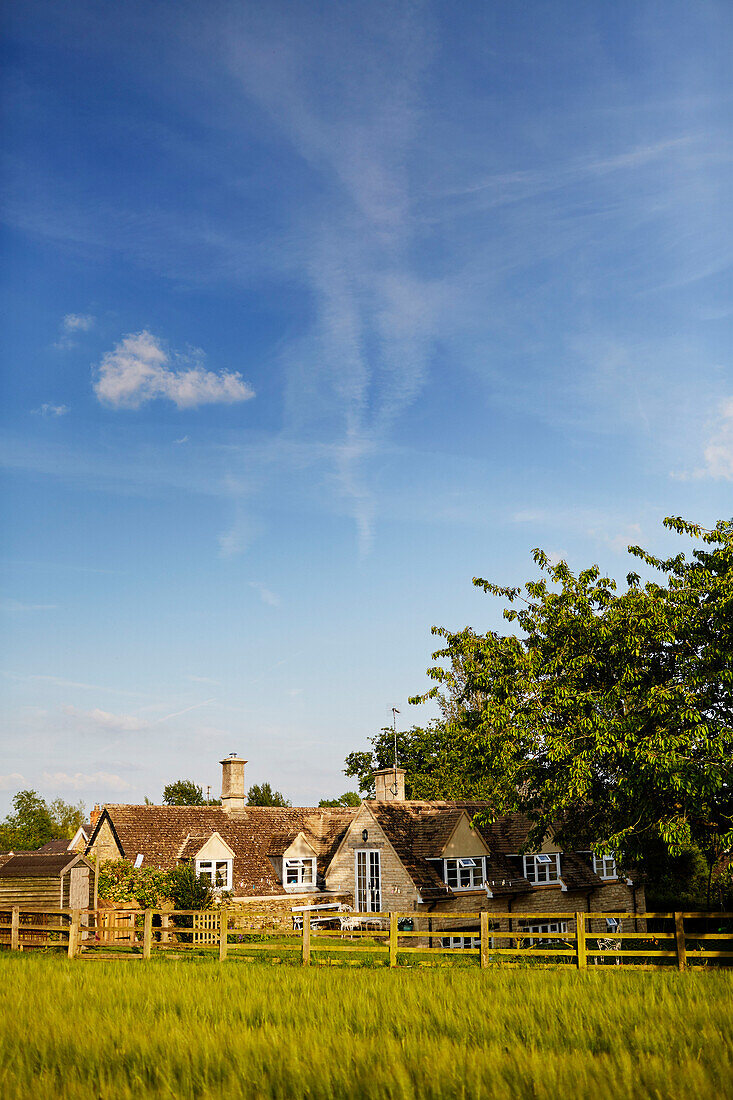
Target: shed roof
{"type": "Point", "coordinates": [55, 847]}
{"type": "Point", "coordinates": [40, 865]}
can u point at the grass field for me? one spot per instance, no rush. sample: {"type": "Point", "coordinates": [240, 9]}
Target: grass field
{"type": "Point", "coordinates": [193, 1028]}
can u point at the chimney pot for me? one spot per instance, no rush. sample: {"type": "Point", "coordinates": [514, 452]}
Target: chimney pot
{"type": "Point", "coordinates": [389, 784]}
{"type": "Point", "coordinates": [232, 783]}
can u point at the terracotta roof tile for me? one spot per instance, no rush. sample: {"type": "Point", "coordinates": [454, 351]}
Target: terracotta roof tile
{"type": "Point", "coordinates": [159, 834]}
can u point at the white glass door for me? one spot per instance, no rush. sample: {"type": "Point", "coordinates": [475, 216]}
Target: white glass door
{"type": "Point", "coordinates": [368, 876]}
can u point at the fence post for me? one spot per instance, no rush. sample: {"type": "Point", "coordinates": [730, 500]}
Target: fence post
{"type": "Point", "coordinates": [484, 918]}
{"type": "Point", "coordinates": [147, 933]}
{"type": "Point", "coordinates": [679, 935]}
{"type": "Point", "coordinates": [74, 934]}
{"type": "Point", "coordinates": [393, 939]}
{"type": "Point", "coordinates": [164, 926]}
{"type": "Point", "coordinates": [15, 928]}
{"type": "Point", "coordinates": [580, 940]}
{"type": "Point", "coordinates": [306, 939]}
{"type": "Point", "coordinates": [223, 932]}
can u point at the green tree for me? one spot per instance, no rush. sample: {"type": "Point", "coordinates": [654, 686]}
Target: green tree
{"type": "Point", "coordinates": [350, 798]}
{"type": "Point", "coordinates": [428, 756]}
{"type": "Point", "coordinates": [31, 826]}
{"type": "Point", "coordinates": [184, 792]}
{"type": "Point", "coordinates": [188, 890]}
{"type": "Point", "coordinates": [262, 794]}
{"type": "Point", "coordinates": [608, 716]}
{"type": "Point", "coordinates": [67, 816]}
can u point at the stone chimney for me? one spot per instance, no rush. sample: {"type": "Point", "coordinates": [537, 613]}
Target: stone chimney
{"type": "Point", "coordinates": [390, 784]}
{"type": "Point", "coordinates": [232, 783]}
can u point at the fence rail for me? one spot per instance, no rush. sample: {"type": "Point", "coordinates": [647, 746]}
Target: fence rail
{"type": "Point", "coordinates": [389, 937]}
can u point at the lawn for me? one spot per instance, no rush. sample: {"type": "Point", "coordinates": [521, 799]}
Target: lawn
{"type": "Point", "coordinates": [198, 1028]}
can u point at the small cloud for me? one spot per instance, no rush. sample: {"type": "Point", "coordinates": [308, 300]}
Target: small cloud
{"type": "Point", "coordinates": [71, 326]}
{"type": "Point", "coordinates": [719, 451]}
{"type": "Point", "coordinates": [16, 605]}
{"type": "Point", "coordinates": [183, 439]}
{"type": "Point", "coordinates": [620, 541]}
{"type": "Point", "coordinates": [266, 595]}
{"type": "Point", "coordinates": [51, 410]}
{"type": "Point", "coordinates": [102, 720]}
{"type": "Point", "coordinates": [77, 322]}
{"type": "Point", "coordinates": [80, 781]}
{"type": "Point", "coordinates": [140, 369]}
{"type": "Point", "coordinates": [12, 781]}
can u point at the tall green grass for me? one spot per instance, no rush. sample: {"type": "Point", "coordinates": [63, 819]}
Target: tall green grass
{"type": "Point", "coordinates": [188, 1029]}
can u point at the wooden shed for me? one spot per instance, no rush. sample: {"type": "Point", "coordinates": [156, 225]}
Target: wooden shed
{"type": "Point", "coordinates": [40, 880]}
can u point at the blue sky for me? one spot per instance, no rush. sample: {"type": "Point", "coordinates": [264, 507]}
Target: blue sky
{"type": "Point", "coordinates": [313, 312]}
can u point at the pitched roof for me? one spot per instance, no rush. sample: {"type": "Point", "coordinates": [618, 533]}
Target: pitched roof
{"type": "Point", "coordinates": [38, 865]}
{"type": "Point", "coordinates": [577, 873]}
{"type": "Point", "coordinates": [419, 832]}
{"type": "Point", "coordinates": [56, 846]}
{"type": "Point", "coordinates": [161, 833]}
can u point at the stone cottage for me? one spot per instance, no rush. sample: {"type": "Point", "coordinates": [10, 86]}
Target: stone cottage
{"type": "Point", "coordinates": [388, 855]}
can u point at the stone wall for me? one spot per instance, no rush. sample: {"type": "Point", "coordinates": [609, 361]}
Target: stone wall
{"type": "Point", "coordinates": [276, 913]}
{"type": "Point", "coordinates": [105, 845]}
{"type": "Point", "coordinates": [460, 912]}
{"type": "Point", "coordinates": [398, 890]}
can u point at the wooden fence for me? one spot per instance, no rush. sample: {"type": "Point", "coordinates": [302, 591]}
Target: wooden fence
{"type": "Point", "coordinates": [678, 940]}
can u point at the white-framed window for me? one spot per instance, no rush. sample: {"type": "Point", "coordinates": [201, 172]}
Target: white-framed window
{"type": "Point", "coordinates": [605, 866]}
{"type": "Point", "coordinates": [558, 926]}
{"type": "Point", "coordinates": [465, 873]}
{"type": "Point", "coordinates": [299, 872]}
{"type": "Point", "coordinates": [461, 941]}
{"type": "Point", "coordinates": [217, 871]}
{"type": "Point", "coordinates": [540, 868]}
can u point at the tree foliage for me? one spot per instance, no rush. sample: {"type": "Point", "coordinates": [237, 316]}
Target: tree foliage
{"type": "Point", "coordinates": [608, 716]}
{"type": "Point", "coordinates": [428, 757]}
{"type": "Point", "coordinates": [120, 881]}
{"type": "Point", "coordinates": [262, 794]}
{"type": "Point", "coordinates": [187, 890]}
{"type": "Point", "coordinates": [349, 798]}
{"type": "Point", "coordinates": [184, 792]}
{"type": "Point", "coordinates": [35, 822]}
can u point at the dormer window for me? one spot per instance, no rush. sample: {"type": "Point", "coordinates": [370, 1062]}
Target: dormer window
{"type": "Point", "coordinates": [542, 868]}
{"type": "Point", "coordinates": [216, 871]}
{"type": "Point", "coordinates": [605, 866]}
{"type": "Point", "coordinates": [299, 872]}
{"type": "Point", "coordinates": [465, 873]}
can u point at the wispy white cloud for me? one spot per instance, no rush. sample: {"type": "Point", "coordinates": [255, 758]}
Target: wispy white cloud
{"type": "Point", "coordinates": [71, 326]}
{"type": "Point", "coordinates": [97, 719]}
{"type": "Point", "coordinates": [18, 605]}
{"type": "Point", "coordinates": [11, 781]}
{"type": "Point", "coordinates": [718, 450]}
{"type": "Point", "coordinates": [141, 369]}
{"type": "Point", "coordinates": [81, 781]}
{"type": "Point", "coordinates": [77, 322]}
{"type": "Point", "coordinates": [266, 595]}
{"type": "Point", "coordinates": [186, 710]}
{"type": "Point", "coordinates": [60, 681]}
{"type": "Point", "coordinates": [51, 410]}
